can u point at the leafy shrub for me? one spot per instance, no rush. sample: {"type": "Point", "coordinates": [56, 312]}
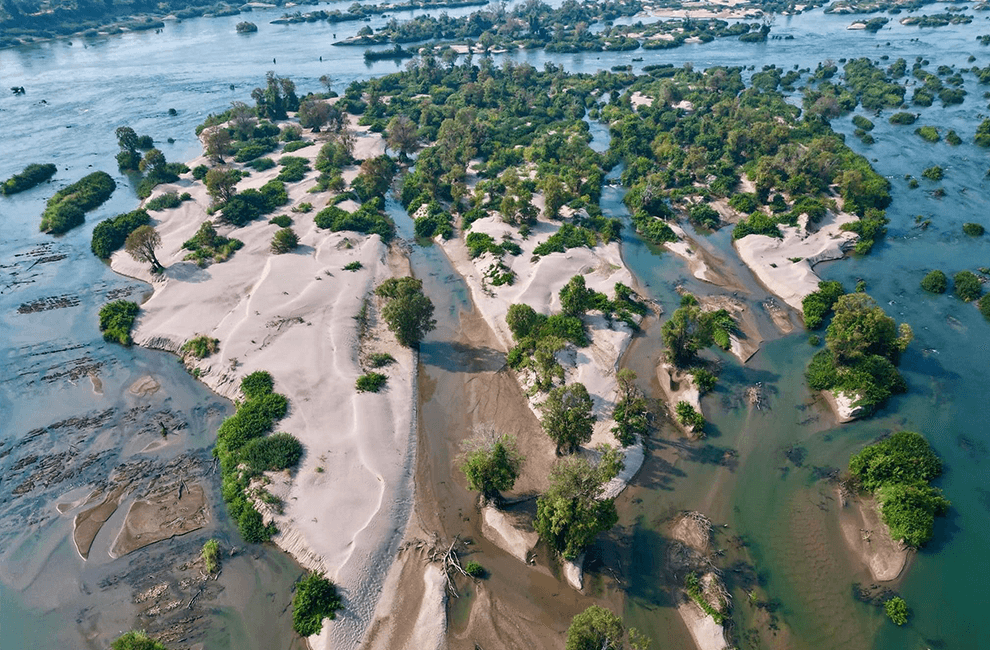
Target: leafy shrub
{"type": "Point", "coordinates": [818, 304]}
{"type": "Point", "coordinates": [689, 417]}
{"type": "Point", "coordinates": [353, 266]}
{"type": "Point", "coordinates": [407, 311]}
{"type": "Point", "coordinates": [166, 201]}
{"type": "Point", "coordinates": [369, 219]}
{"type": "Point", "coordinates": [199, 172]}
{"type": "Point", "coordinates": [110, 234]}
{"type": "Point", "coordinates": [371, 382]}
{"type": "Point", "coordinates": [705, 216]}
{"type": "Point", "coordinates": [206, 245]}
{"type": "Point", "coordinates": [903, 118]}
{"type": "Point", "coordinates": [282, 221]}
{"type": "Point", "coordinates": [967, 286]}
{"type": "Point", "coordinates": [982, 137]}
{"type": "Point", "coordinates": [272, 453]}
{"type": "Point", "coordinates": [255, 148]}
{"type": "Point", "coordinates": [117, 320]}
{"type": "Point", "coordinates": [68, 207]}
{"type": "Point", "coordinates": [295, 145]}
{"type": "Point", "coordinates": [257, 384]}
{"type": "Point", "coordinates": [211, 555]}
{"type": "Point", "coordinates": [316, 598]}
{"type": "Point", "coordinates": [201, 346]}
{"type": "Point", "coordinates": [953, 138]}
{"type": "Point", "coordinates": [261, 164]}
{"type": "Point", "coordinates": [757, 223]}
{"type": "Point", "coordinates": [897, 610]}
{"type": "Point", "coordinates": [928, 133]}
{"type": "Point", "coordinates": [935, 282]}
{"type": "Point", "coordinates": [136, 641]}
{"type": "Point", "coordinates": [704, 379]}
{"type": "Point", "coordinates": [34, 174]}
{"type": "Point", "coordinates": [379, 359]}
{"type": "Point", "coordinates": [984, 305]}
{"type": "Point", "coordinates": [284, 241]}
{"type": "Point", "coordinates": [303, 208]}
{"type": "Point", "coordinates": [251, 526]}
{"type": "Point", "coordinates": [934, 173]}
{"type": "Point", "coordinates": [474, 569]}
{"type": "Point", "coordinates": [973, 229]}
{"type": "Point", "coordinates": [862, 123]}
{"type": "Point", "coordinates": [293, 169]}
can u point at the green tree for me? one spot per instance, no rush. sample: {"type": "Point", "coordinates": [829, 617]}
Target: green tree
{"type": "Point", "coordinates": [141, 245]}
{"type": "Point", "coordinates": [316, 598]}
{"type": "Point", "coordinates": [897, 610]}
{"type": "Point", "coordinates": [909, 510]}
{"type": "Point", "coordinates": [572, 512]}
{"type": "Point", "coordinates": [567, 416]}
{"type": "Point", "coordinates": [220, 183]}
{"type": "Point", "coordinates": [860, 328]}
{"type": "Point", "coordinates": [967, 286]}
{"type": "Point", "coordinates": [630, 411]}
{"type": "Point", "coordinates": [596, 628]}
{"type": "Point", "coordinates": [935, 282]}
{"type": "Point", "coordinates": [904, 457]}
{"type": "Point", "coordinates": [407, 311]}
{"type": "Point", "coordinates": [217, 143]}
{"type": "Point", "coordinates": [313, 113]}
{"type": "Point", "coordinates": [401, 135]}
{"type": "Point", "coordinates": [136, 641]}
{"type": "Point", "coordinates": [491, 462]}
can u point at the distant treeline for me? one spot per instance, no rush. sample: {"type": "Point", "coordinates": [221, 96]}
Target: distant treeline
{"type": "Point", "coordinates": [25, 20]}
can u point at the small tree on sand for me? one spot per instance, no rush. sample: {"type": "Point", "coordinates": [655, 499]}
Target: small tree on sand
{"type": "Point", "coordinates": [572, 512]}
{"type": "Point", "coordinates": [407, 311]}
{"type": "Point", "coordinates": [220, 183]}
{"type": "Point", "coordinates": [567, 416]}
{"type": "Point", "coordinates": [217, 141]}
{"type": "Point", "coordinates": [491, 462]}
{"type": "Point", "coordinates": [141, 245]}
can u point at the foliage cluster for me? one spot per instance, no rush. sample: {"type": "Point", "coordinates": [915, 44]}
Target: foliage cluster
{"type": "Point", "coordinates": [167, 201]}
{"type": "Point", "coordinates": [110, 234]}
{"type": "Point", "coordinates": [371, 382]}
{"type": "Point", "coordinates": [369, 219]}
{"type": "Point", "coordinates": [207, 246]}
{"type": "Point", "coordinates": [117, 319]}
{"type": "Point", "coordinates": [68, 207]}
{"type": "Point", "coordinates": [817, 305]}
{"type": "Point", "coordinates": [316, 598]}
{"type": "Point", "coordinates": [863, 346]}
{"type": "Point", "coordinates": [32, 175]}
{"type": "Point", "coordinates": [899, 470]}
{"type": "Point", "coordinates": [201, 346]}
{"type": "Point", "coordinates": [407, 311]}
{"type": "Point", "coordinates": [691, 329]}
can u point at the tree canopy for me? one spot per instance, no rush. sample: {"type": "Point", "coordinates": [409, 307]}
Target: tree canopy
{"type": "Point", "coordinates": [567, 416]}
{"type": "Point", "coordinates": [491, 462]}
{"type": "Point", "coordinates": [572, 512]}
{"type": "Point", "coordinates": [407, 311]}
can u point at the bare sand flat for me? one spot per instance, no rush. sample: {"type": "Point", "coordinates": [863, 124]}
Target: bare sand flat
{"type": "Point", "coordinates": [869, 539]}
{"type": "Point", "coordinates": [347, 505]}
{"type": "Point", "coordinates": [88, 523]}
{"type": "Point", "coordinates": [786, 266]}
{"type": "Point", "coordinates": [160, 517]}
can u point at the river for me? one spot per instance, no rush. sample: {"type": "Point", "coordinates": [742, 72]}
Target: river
{"type": "Point", "coordinates": [79, 91]}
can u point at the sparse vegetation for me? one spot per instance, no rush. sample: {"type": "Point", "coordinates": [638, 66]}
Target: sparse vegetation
{"type": "Point", "coordinates": [201, 346]}
{"type": "Point", "coordinates": [211, 556]}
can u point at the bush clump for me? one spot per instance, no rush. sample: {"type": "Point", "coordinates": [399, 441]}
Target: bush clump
{"type": "Point", "coordinates": [136, 641]}
{"type": "Point", "coordinates": [897, 610]}
{"type": "Point", "coordinates": [200, 346]}
{"type": "Point", "coordinates": [934, 173]}
{"type": "Point", "coordinates": [371, 382]}
{"type": "Point", "coordinates": [282, 221]}
{"type": "Point", "coordinates": [689, 417]}
{"type": "Point", "coordinates": [935, 282]}
{"type": "Point", "coordinates": [863, 346]}
{"type": "Point", "coordinates": [272, 453]}
{"type": "Point", "coordinates": [474, 569]}
{"type": "Point", "coordinates": [34, 174]}
{"type": "Point", "coordinates": [818, 304]}
{"type": "Point", "coordinates": [285, 240]}
{"type": "Point", "coordinates": [167, 201]}
{"type": "Point", "coordinates": [110, 234]}
{"type": "Point", "coordinates": [380, 359]}
{"type": "Point", "coordinates": [973, 229]}
{"type": "Point", "coordinates": [207, 246]}
{"type": "Point", "coordinates": [316, 598]}
{"type": "Point", "coordinates": [211, 556]}
{"type": "Point", "coordinates": [903, 118]}
{"type": "Point", "coordinates": [928, 133]}
{"type": "Point", "coordinates": [967, 286]}
{"type": "Point", "coordinates": [68, 207]}
{"type": "Point", "coordinates": [408, 312]}
{"type": "Point", "coordinates": [117, 320]}
{"type": "Point", "coordinates": [898, 471]}
{"type": "Point", "coordinates": [368, 219]}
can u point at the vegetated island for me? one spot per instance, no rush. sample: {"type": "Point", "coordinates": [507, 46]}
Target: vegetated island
{"type": "Point", "coordinates": [894, 505]}
{"type": "Point", "coordinates": [34, 174]}
{"type": "Point", "coordinates": [246, 305]}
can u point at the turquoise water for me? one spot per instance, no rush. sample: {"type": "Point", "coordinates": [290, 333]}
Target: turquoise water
{"type": "Point", "coordinates": [134, 79]}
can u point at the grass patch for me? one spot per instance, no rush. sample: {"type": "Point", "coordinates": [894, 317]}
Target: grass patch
{"type": "Point", "coordinates": [371, 382]}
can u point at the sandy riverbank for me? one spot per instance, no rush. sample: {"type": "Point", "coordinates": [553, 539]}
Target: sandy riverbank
{"type": "Point", "coordinates": [869, 538]}
{"type": "Point", "coordinates": [346, 506]}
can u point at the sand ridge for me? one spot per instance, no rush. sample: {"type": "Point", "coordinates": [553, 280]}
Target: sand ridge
{"type": "Point", "coordinates": [346, 506]}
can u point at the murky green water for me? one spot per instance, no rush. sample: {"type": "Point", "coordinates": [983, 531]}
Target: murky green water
{"type": "Point", "coordinates": [764, 497]}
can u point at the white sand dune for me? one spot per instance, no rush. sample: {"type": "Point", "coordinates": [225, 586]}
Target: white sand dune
{"type": "Point", "coordinates": [347, 505]}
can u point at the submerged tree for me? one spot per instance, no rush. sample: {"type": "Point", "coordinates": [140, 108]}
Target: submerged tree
{"type": "Point", "coordinates": [572, 512]}
{"type": "Point", "coordinates": [596, 628]}
{"type": "Point", "coordinates": [491, 462]}
{"type": "Point", "coordinates": [141, 245]}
